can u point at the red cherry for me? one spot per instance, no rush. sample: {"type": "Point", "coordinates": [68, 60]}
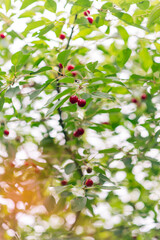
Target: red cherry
{"type": "Point", "coordinates": [90, 20]}
{"type": "Point", "coordinates": [2, 35]}
{"type": "Point", "coordinates": [89, 182]}
{"type": "Point", "coordinates": [26, 164]}
{"type": "Point", "coordinates": [74, 73]}
{"type": "Point", "coordinates": [81, 102]}
{"type": "Point", "coordinates": [37, 170]}
{"type": "Point", "coordinates": [12, 164]}
{"type": "Point", "coordinates": [6, 132]}
{"type": "Point", "coordinates": [89, 170]}
{"type": "Point", "coordinates": [79, 132]}
{"type": "Point", "coordinates": [85, 13]}
{"type": "Point", "coordinates": [70, 67]}
{"type": "Point", "coordinates": [143, 96]}
{"type": "Point", "coordinates": [107, 123]}
{"type": "Point", "coordinates": [88, 11]}
{"type": "Point", "coordinates": [64, 182]}
{"type": "Point", "coordinates": [60, 65]}
{"type": "Point", "coordinates": [73, 99]}
{"type": "Point", "coordinates": [134, 100]}
{"type": "Point", "coordinates": [62, 36]}
{"type": "Point", "coordinates": [33, 164]}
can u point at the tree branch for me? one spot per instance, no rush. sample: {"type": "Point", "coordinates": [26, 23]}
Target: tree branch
{"type": "Point", "coordinates": [61, 122]}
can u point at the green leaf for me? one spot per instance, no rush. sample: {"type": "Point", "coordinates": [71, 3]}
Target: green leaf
{"type": "Point", "coordinates": [29, 13]}
{"type": "Point", "coordinates": [42, 69]}
{"type": "Point", "coordinates": [67, 80]}
{"type": "Point", "coordinates": [107, 187]}
{"type": "Point", "coordinates": [38, 91]}
{"type": "Point", "coordinates": [50, 5]}
{"type": "Point", "coordinates": [57, 105]}
{"type": "Point", "coordinates": [91, 66]}
{"type": "Point", "coordinates": [102, 95]}
{"type": "Point", "coordinates": [49, 203]}
{"type": "Point", "coordinates": [33, 25]}
{"type": "Point", "coordinates": [11, 92]}
{"type": "Point", "coordinates": [19, 58]}
{"type": "Point", "coordinates": [112, 110]}
{"type": "Point", "coordinates": [69, 168]}
{"type": "Point", "coordinates": [145, 58]}
{"type": "Point", "coordinates": [26, 3]}
{"type": "Point", "coordinates": [124, 34]}
{"type": "Point", "coordinates": [78, 203]}
{"type": "Point", "coordinates": [58, 96]}
{"type": "Point", "coordinates": [7, 4]}
{"type": "Point", "coordinates": [1, 103]}
{"type": "Point", "coordinates": [123, 56]}
{"type": "Point", "coordinates": [143, 5]}
{"type": "Point", "coordinates": [63, 57]}
{"type": "Point", "coordinates": [154, 15]}
{"type": "Point", "coordinates": [46, 29]}
{"type": "Point", "coordinates": [109, 150]}
{"type": "Point", "coordinates": [83, 3]}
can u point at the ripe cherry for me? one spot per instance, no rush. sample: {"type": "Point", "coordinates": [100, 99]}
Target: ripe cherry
{"type": "Point", "coordinates": [89, 182]}
{"type": "Point", "coordinates": [90, 20]}
{"type": "Point", "coordinates": [73, 99]}
{"type": "Point", "coordinates": [89, 170]}
{"type": "Point", "coordinates": [134, 100]}
{"type": "Point", "coordinates": [64, 182]}
{"type": "Point", "coordinates": [26, 164]}
{"type": "Point", "coordinates": [86, 13]}
{"type": "Point", "coordinates": [37, 170]}
{"type": "Point", "coordinates": [2, 35]}
{"type": "Point", "coordinates": [60, 65]}
{"type": "Point", "coordinates": [79, 132]}
{"type": "Point", "coordinates": [12, 164]}
{"type": "Point", "coordinates": [81, 102]}
{"type": "Point", "coordinates": [6, 132]}
{"type": "Point", "coordinates": [106, 123]}
{"type": "Point", "coordinates": [70, 67]}
{"type": "Point", "coordinates": [143, 96]}
{"type": "Point", "coordinates": [74, 73]}
{"type": "Point", "coordinates": [62, 36]}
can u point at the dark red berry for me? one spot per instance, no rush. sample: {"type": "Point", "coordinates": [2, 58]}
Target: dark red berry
{"type": "Point", "coordinates": [60, 65]}
{"type": "Point", "coordinates": [143, 96]}
{"type": "Point", "coordinates": [62, 36]}
{"type": "Point", "coordinates": [88, 11]}
{"type": "Point", "coordinates": [79, 132]}
{"type": "Point", "coordinates": [85, 13]}
{"type": "Point", "coordinates": [81, 102]}
{"type": "Point", "coordinates": [90, 20]}
{"type": "Point", "coordinates": [89, 170]}
{"type": "Point", "coordinates": [64, 182]}
{"type": "Point", "coordinates": [70, 67]}
{"type": "Point", "coordinates": [134, 100]}
{"type": "Point", "coordinates": [73, 99]}
{"type": "Point", "coordinates": [37, 170]}
{"type": "Point", "coordinates": [107, 123]}
{"type": "Point", "coordinates": [6, 132]}
{"type": "Point", "coordinates": [74, 73]}
{"type": "Point", "coordinates": [26, 164]}
{"type": "Point", "coordinates": [89, 182]}
{"type": "Point", "coordinates": [12, 164]}
{"type": "Point", "coordinates": [2, 35]}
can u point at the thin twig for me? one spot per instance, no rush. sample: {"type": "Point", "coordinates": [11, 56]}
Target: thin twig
{"type": "Point", "coordinates": [59, 90]}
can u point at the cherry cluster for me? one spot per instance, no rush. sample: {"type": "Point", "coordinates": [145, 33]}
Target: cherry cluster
{"type": "Point", "coordinates": [70, 67]}
{"type": "Point", "coordinates": [87, 13]}
{"type": "Point", "coordinates": [143, 97]}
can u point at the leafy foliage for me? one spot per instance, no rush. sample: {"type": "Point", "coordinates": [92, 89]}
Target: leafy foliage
{"type": "Point", "coordinates": [115, 69]}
